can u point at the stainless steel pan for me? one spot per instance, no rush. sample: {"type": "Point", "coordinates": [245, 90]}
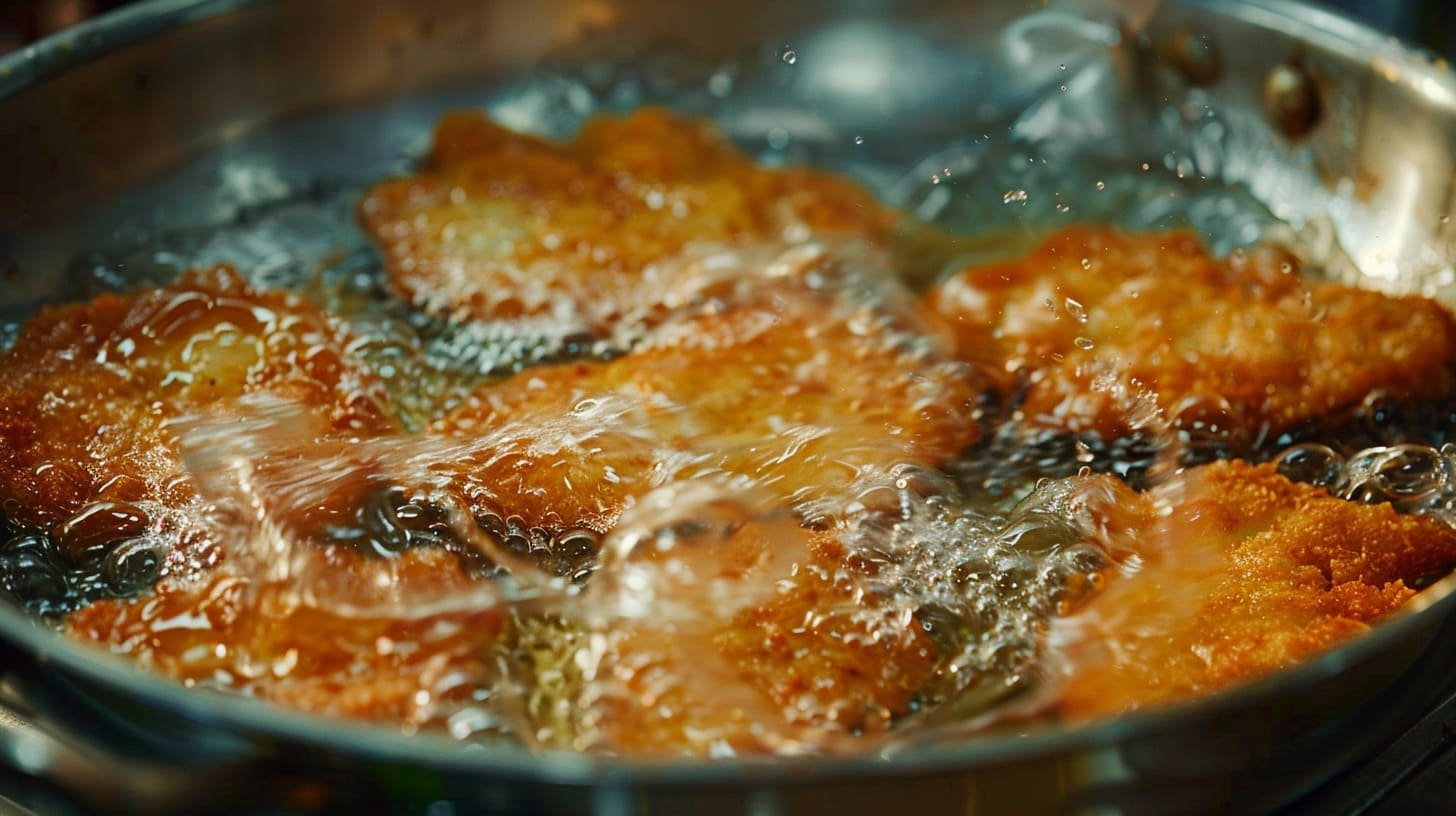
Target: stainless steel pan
{"type": "Point", "coordinates": [177, 114]}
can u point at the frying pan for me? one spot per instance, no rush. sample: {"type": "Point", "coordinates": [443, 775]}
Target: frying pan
{"type": "Point", "coordinates": [175, 115]}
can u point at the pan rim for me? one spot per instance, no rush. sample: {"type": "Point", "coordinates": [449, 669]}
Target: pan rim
{"type": "Point", "coordinates": [32, 66]}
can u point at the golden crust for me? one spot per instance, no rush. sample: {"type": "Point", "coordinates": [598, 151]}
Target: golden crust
{"type": "Point", "coordinates": [1095, 317]}
{"type": "Point", "coordinates": [787, 393]}
{"type": "Point", "coordinates": [89, 386]}
{"type": "Point", "coordinates": [90, 389]}
{"type": "Point", "coordinates": [799, 665]}
{"type": "Point", "coordinates": [500, 225]}
{"type": "Point", "coordinates": [828, 654]}
{"type": "Point", "coordinates": [552, 457]}
{"type": "Point", "coordinates": [805, 403]}
{"type": "Point", "coordinates": [275, 642]}
{"type": "Point", "coordinates": [1247, 573]}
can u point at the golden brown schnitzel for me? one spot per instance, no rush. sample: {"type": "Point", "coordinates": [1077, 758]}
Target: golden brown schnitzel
{"type": "Point", "coordinates": [1098, 328]}
{"type": "Point", "coordinates": [503, 225]}
{"type": "Point", "coordinates": [793, 393]}
{"type": "Point", "coordinates": [1242, 572]}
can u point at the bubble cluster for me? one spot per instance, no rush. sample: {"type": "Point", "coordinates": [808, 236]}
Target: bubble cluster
{"type": "Point", "coordinates": [984, 585]}
{"type": "Point", "coordinates": [387, 522]}
{"type": "Point", "coordinates": [1014, 458]}
{"type": "Point", "coordinates": [571, 554]}
{"type": "Point", "coordinates": [1410, 477]}
{"type": "Point", "coordinates": [105, 550]}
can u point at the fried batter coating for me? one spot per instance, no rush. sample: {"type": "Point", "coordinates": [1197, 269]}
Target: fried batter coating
{"type": "Point", "coordinates": [787, 392]}
{"type": "Point", "coordinates": [786, 396]}
{"type": "Point", "coordinates": [84, 436]}
{"type": "Point", "coordinates": [828, 655]}
{"type": "Point", "coordinates": [749, 638]}
{"type": "Point", "coordinates": [1245, 573]}
{"type": "Point", "coordinates": [801, 673]}
{"type": "Point", "coordinates": [90, 385]}
{"type": "Point", "coordinates": [386, 662]}
{"type": "Point", "coordinates": [1096, 318]}
{"type": "Point", "coordinates": [501, 225]}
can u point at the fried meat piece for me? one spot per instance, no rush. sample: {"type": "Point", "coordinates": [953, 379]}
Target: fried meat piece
{"type": "Point", "coordinates": [90, 386]}
{"type": "Point", "coordinates": [738, 634]}
{"type": "Point", "coordinates": [379, 658]}
{"type": "Point", "coordinates": [797, 398]}
{"type": "Point", "coordinates": [85, 439]}
{"type": "Point", "coordinates": [1095, 319]}
{"type": "Point", "coordinates": [1245, 573]}
{"type": "Point", "coordinates": [788, 398]}
{"type": "Point", "coordinates": [501, 225]}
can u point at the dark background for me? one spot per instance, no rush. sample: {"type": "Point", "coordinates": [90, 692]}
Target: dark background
{"type": "Point", "coordinates": [1427, 22]}
{"type": "Point", "coordinates": [24, 20]}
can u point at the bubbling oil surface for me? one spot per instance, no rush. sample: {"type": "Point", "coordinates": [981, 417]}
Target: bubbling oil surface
{"type": "Point", "coordinates": [981, 554]}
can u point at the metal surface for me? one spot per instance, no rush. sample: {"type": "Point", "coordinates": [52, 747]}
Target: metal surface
{"type": "Point", "coordinates": [174, 114]}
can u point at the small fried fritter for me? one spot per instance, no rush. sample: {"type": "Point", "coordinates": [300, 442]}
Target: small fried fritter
{"type": "Point", "coordinates": [797, 398]}
{"type": "Point", "coordinates": [1095, 319]}
{"type": "Point", "coordinates": [500, 225]}
{"type": "Point", "coordinates": [1245, 573]}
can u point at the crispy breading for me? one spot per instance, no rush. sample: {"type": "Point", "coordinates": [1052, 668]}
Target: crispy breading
{"type": "Point", "coordinates": [768, 645]}
{"type": "Point", "coordinates": [786, 392]}
{"type": "Point", "coordinates": [1096, 318]}
{"type": "Point", "coordinates": [504, 225]}
{"type": "Point", "coordinates": [1243, 572]}
{"type": "Point", "coordinates": [807, 403]}
{"type": "Point", "coordinates": [89, 391]}
{"type": "Point", "coordinates": [828, 654]}
{"type": "Point", "coordinates": [362, 652]}
{"type": "Point", "coordinates": [769, 386]}
{"type": "Point", "coordinates": [89, 386]}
